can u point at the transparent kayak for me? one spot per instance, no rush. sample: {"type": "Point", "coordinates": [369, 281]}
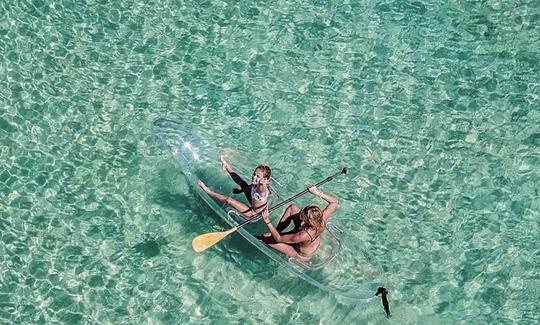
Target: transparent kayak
{"type": "Point", "coordinates": [349, 273]}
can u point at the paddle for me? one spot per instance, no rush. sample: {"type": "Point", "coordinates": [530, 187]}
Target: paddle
{"type": "Point", "coordinates": [205, 241]}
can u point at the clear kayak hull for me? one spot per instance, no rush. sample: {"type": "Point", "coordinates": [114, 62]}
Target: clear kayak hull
{"type": "Point", "coordinates": [349, 273]}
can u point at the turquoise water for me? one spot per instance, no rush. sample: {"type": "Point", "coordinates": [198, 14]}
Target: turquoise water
{"type": "Point", "coordinates": [434, 107]}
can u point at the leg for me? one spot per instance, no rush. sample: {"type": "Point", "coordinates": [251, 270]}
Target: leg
{"type": "Point", "coordinates": [238, 206]}
{"type": "Point", "coordinates": [225, 165]}
{"type": "Point", "coordinates": [236, 178]}
{"type": "Point", "coordinates": [285, 249]}
{"type": "Point", "coordinates": [281, 247]}
{"type": "Point", "coordinates": [290, 214]}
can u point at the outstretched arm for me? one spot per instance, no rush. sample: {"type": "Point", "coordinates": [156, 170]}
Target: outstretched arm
{"type": "Point", "coordinates": [332, 202]}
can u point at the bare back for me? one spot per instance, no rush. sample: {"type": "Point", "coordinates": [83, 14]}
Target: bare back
{"type": "Point", "coordinates": [310, 246]}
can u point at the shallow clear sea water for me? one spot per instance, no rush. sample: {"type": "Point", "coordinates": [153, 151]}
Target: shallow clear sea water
{"type": "Point", "coordinates": [433, 106]}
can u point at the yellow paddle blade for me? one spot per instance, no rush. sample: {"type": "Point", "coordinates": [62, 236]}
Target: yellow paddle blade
{"type": "Point", "coordinates": [204, 241]}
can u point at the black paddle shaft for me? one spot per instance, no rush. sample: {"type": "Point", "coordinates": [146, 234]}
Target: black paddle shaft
{"type": "Point", "coordinates": [258, 216]}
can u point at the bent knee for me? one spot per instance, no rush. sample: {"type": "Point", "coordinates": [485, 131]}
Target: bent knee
{"type": "Point", "coordinates": [293, 208]}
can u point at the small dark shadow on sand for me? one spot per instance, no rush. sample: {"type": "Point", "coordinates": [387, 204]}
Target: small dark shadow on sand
{"type": "Point", "coordinates": [150, 246]}
{"type": "Point", "coordinates": [170, 200]}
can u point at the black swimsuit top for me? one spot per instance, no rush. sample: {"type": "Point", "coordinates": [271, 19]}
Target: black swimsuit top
{"type": "Point", "coordinates": [312, 239]}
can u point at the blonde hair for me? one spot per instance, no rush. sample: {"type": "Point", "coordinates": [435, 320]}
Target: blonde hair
{"type": "Point", "coordinates": [313, 216]}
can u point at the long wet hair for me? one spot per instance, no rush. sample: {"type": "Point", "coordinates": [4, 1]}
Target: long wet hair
{"type": "Point", "coordinates": [313, 216]}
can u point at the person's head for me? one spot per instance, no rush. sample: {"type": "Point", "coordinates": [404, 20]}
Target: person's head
{"type": "Point", "coordinates": [312, 216]}
{"type": "Point", "coordinates": [262, 174]}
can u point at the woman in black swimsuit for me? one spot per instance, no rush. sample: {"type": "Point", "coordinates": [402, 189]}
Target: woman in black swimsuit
{"type": "Point", "coordinates": [309, 223]}
{"type": "Point", "coordinates": [257, 192]}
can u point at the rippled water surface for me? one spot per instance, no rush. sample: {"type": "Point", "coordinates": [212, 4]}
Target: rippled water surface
{"type": "Point", "coordinates": [433, 106]}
